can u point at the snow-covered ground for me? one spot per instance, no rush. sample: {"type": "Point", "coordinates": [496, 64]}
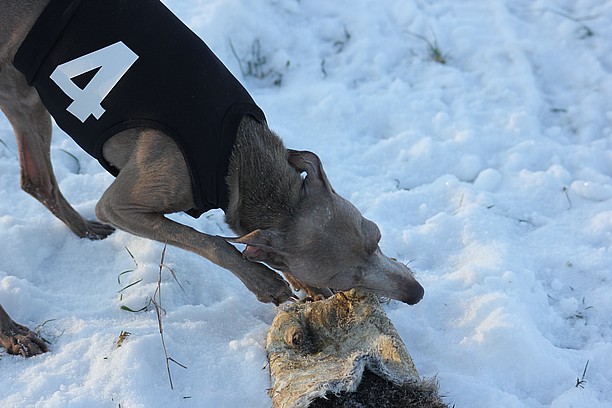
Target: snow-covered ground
{"type": "Point", "coordinates": [490, 174]}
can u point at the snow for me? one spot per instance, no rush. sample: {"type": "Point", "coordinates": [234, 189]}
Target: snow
{"type": "Point", "coordinates": [490, 174]}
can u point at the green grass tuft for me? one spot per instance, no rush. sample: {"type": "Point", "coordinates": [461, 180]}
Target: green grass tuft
{"type": "Point", "coordinates": [435, 52]}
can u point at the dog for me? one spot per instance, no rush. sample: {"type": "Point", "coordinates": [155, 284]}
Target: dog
{"type": "Point", "coordinates": [219, 153]}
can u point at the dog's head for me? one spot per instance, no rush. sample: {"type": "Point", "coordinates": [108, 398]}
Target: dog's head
{"type": "Point", "coordinates": [328, 243]}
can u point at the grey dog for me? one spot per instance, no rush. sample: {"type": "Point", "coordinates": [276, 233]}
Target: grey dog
{"type": "Point", "coordinates": [279, 201]}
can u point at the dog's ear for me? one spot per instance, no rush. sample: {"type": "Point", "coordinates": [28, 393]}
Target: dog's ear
{"type": "Point", "coordinates": [263, 246]}
{"type": "Point", "coordinates": [305, 161]}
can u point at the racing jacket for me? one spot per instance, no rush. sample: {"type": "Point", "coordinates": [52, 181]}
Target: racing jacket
{"type": "Point", "coordinates": [101, 67]}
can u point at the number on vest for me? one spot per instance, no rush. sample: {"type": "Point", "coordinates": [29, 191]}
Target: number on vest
{"type": "Point", "coordinates": [112, 62]}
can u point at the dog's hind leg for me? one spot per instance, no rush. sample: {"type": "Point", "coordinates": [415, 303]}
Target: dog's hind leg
{"type": "Point", "coordinates": [18, 339]}
{"type": "Point", "coordinates": [32, 125]}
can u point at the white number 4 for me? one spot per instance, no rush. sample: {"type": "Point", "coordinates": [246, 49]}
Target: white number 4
{"type": "Point", "coordinates": [112, 63]}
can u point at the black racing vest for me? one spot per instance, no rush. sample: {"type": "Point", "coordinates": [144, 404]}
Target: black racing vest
{"type": "Point", "coordinates": [103, 66]}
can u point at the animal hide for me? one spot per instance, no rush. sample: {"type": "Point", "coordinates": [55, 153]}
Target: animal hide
{"type": "Point", "coordinates": [321, 350]}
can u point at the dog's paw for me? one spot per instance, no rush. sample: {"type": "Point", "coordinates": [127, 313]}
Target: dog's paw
{"type": "Point", "coordinates": [96, 230]}
{"type": "Point", "coordinates": [21, 341]}
{"type": "Point", "coordinates": [278, 293]}
{"type": "Point", "coordinates": [267, 285]}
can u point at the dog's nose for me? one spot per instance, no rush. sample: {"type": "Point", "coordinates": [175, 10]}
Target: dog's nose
{"type": "Point", "coordinates": [414, 294]}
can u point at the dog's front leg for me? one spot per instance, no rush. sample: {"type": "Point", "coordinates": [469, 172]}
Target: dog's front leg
{"type": "Point", "coordinates": [124, 207]}
{"type": "Point", "coordinates": [267, 285]}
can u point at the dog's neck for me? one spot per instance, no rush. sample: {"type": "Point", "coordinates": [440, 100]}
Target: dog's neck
{"type": "Point", "coordinates": [264, 188]}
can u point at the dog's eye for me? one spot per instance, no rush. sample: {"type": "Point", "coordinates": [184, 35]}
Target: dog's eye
{"type": "Point", "coordinates": [304, 187]}
{"type": "Point", "coordinates": [372, 235]}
